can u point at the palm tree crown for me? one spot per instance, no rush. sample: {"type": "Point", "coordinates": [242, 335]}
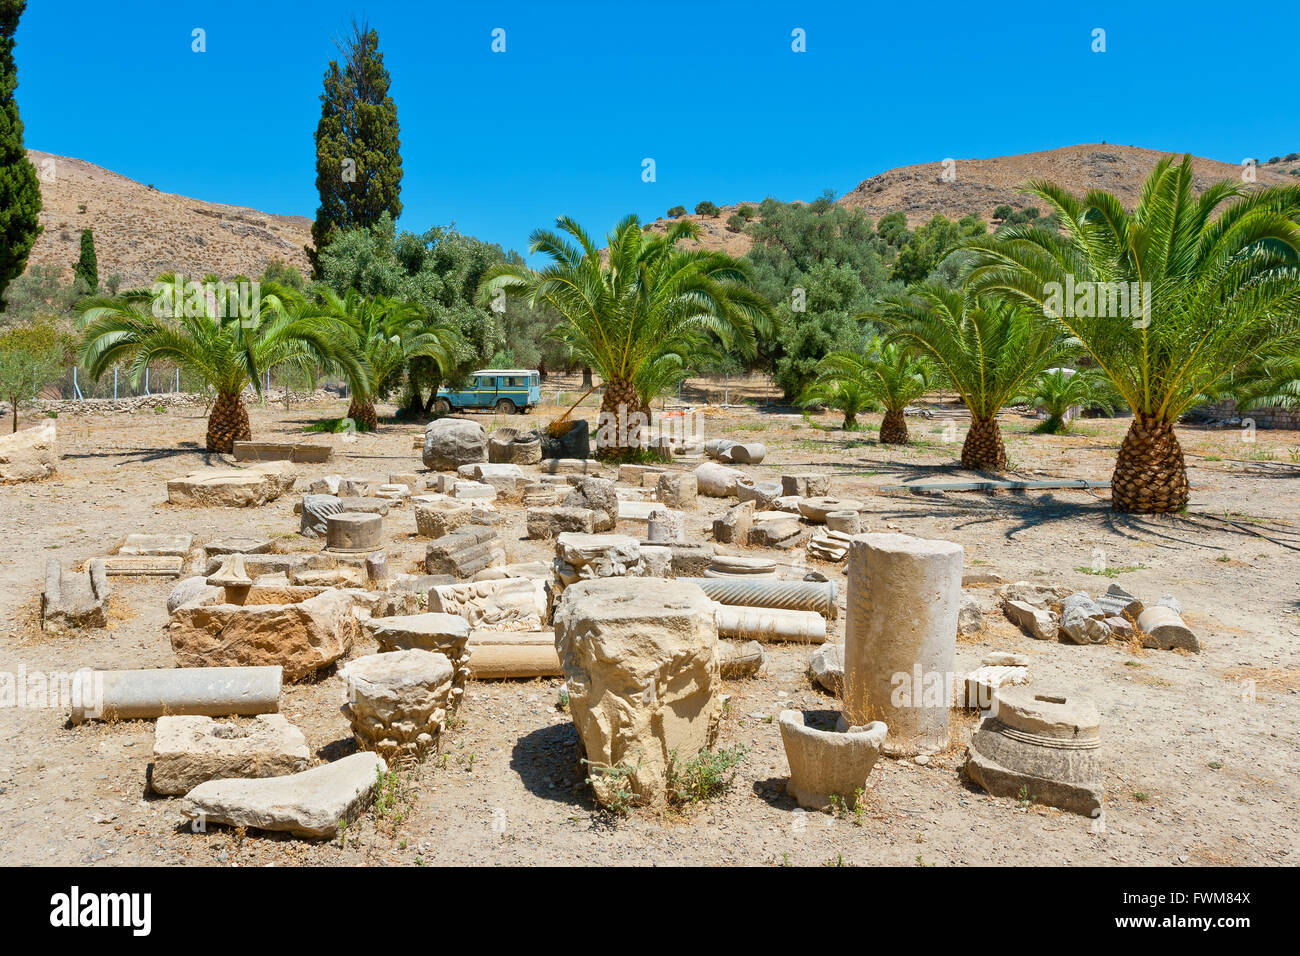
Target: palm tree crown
{"type": "Point", "coordinates": [982, 348]}
{"type": "Point", "coordinates": [229, 352]}
{"type": "Point", "coordinates": [633, 311]}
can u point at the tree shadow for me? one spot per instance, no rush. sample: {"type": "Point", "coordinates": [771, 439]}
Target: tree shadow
{"type": "Point", "coordinates": [1028, 510]}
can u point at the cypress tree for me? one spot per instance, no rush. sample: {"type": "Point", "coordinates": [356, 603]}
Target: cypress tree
{"type": "Point", "coordinates": [358, 163]}
{"type": "Point", "coordinates": [88, 265]}
{"type": "Point", "coordinates": [20, 192]}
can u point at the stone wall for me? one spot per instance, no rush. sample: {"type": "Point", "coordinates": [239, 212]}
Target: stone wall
{"type": "Point", "coordinates": [1270, 417]}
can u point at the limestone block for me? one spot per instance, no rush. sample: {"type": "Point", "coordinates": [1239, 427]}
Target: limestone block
{"type": "Point", "coordinates": [434, 519]}
{"type": "Point", "coordinates": [643, 676]}
{"type": "Point", "coordinates": [29, 455]}
{"type": "Point", "coordinates": [302, 637]}
{"type": "Point", "coordinates": [551, 521]}
{"type": "Point", "coordinates": [733, 527]}
{"type": "Point", "coordinates": [452, 442]}
{"type": "Point", "coordinates": [806, 485]}
{"type": "Point", "coordinates": [600, 496]}
{"type": "Point", "coordinates": [189, 750]}
{"type": "Point", "coordinates": [234, 487]}
{"type": "Point", "coordinates": [677, 490]}
{"type": "Point", "coordinates": [464, 552]}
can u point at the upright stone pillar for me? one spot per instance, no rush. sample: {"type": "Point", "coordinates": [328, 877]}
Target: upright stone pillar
{"type": "Point", "coordinates": [901, 635]}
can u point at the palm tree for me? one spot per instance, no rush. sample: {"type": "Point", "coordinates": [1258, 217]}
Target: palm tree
{"type": "Point", "coordinates": [388, 334]}
{"type": "Point", "coordinates": [884, 374]}
{"type": "Point", "coordinates": [984, 349]}
{"type": "Point", "coordinates": [840, 384]}
{"type": "Point", "coordinates": [228, 352]}
{"type": "Point", "coordinates": [1058, 390]}
{"type": "Point", "coordinates": [1272, 382]}
{"type": "Point", "coordinates": [626, 308]}
{"type": "Point", "coordinates": [1168, 300]}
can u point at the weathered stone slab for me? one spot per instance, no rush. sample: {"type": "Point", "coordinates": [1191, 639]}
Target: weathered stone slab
{"type": "Point", "coordinates": [301, 452]}
{"type": "Point", "coordinates": [600, 496]}
{"type": "Point", "coordinates": [464, 552]}
{"type": "Point", "coordinates": [677, 490]}
{"type": "Point", "coordinates": [74, 600]}
{"type": "Point", "coordinates": [233, 488]}
{"type": "Point", "coordinates": [555, 520]}
{"type": "Point", "coordinates": [188, 751]}
{"type": "Point", "coordinates": [806, 485]}
{"type": "Point", "coordinates": [143, 566]}
{"type": "Point", "coordinates": [307, 804]}
{"type": "Point", "coordinates": [175, 545]}
{"type": "Point", "coordinates": [238, 544]}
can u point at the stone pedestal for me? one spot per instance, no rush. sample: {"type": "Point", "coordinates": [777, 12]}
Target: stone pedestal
{"type": "Point", "coordinates": [1042, 746]}
{"type": "Point", "coordinates": [904, 594]}
{"type": "Point", "coordinates": [354, 532]}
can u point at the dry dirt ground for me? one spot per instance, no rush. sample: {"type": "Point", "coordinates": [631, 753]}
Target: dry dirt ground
{"type": "Point", "coordinates": [1200, 763]}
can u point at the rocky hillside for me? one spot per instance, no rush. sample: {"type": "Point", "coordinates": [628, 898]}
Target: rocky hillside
{"type": "Point", "coordinates": [979, 186]}
{"type": "Point", "coordinates": [141, 232]}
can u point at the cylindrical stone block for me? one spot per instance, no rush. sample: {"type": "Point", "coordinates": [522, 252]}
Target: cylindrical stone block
{"type": "Point", "coordinates": [353, 532]}
{"type": "Point", "coordinates": [197, 691]}
{"type": "Point", "coordinates": [770, 592]}
{"type": "Point", "coordinates": [846, 522]}
{"type": "Point", "coordinates": [900, 638]}
{"type": "Point", "coordinates": [769, 624]}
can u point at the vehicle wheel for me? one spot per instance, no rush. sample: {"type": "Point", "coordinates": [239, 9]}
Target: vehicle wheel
{"type": "Point", "coordinates": [442, 407]}
{"type": "Point", "coordinates": [506, 407]}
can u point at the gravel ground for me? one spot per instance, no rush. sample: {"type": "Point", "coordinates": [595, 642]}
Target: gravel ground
{"type": "Point", "coordinates": [1200, 751]}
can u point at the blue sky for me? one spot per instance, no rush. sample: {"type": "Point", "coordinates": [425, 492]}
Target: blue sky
{"type": "Point", "coordinates": [561, 122]}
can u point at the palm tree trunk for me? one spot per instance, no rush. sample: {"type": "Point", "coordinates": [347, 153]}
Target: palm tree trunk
{"type": "Point", "coordinates": [227, 424]}
{"type": "Point", "coordinates": [983, 449]}
{"type": "Point", "coordinates": [362, 411]}
{"type": "Point", "coordinates": [620, 409]}
{"type": "Point", "coordinates": [1150, 475]}
{"type": "Point", "coordinates": [416, 403]}
{"type": "Point", "coordinates": [850, 421]}
{"type": "Point", "coordinates": [893, 429]}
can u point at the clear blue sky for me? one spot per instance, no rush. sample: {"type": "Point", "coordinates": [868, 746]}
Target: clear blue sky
{"type": "Point", "coordinates": [560, 123]}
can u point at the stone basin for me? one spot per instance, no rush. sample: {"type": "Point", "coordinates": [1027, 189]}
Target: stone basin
{"type": "Point", "coordinates": [828, 763]}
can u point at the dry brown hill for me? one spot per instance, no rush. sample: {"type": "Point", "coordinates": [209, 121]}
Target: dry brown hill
{"type": "Point", "coordinates": [981, 185]}
{"type": "Point", "coordinates": [141, 232]}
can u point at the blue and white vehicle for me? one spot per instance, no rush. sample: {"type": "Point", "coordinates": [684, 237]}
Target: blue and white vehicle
{"type": "Point", "coordinates": [504, 390]}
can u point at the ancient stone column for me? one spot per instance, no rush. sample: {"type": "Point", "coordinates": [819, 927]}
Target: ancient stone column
{"type": "Point", "coordinates": [205, 691]}
{"type": "Point", "coordinates": [901, 634]}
